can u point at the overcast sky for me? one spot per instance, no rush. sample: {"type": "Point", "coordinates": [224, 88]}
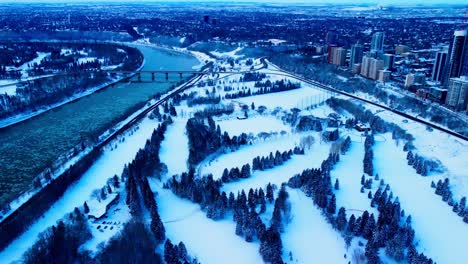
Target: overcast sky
{"type": "Point", "coordinates": [376, 2]}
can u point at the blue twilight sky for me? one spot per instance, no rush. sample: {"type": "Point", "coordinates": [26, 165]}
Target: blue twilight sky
{"type": "Point", "coordinates": [321, 2]}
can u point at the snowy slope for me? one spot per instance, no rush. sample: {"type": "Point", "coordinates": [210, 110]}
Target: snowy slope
{"type": "Point", "coordinates": [324, 245]}
{"type": "Point", "coordinates": [440, 233]}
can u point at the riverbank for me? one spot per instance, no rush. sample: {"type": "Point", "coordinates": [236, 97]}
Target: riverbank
{"type": "Point", "coordinates": [9, 121]}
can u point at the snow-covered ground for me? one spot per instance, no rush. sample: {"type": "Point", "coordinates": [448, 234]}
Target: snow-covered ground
{"type": "Point", "coordinates": [449, 150]}
{"type": "Point", "coordinates": [348, 172]}
{"type": "Point", "coordinates": [8, 89]}
{"type": "Point", "coordinates": [324, 244]}
{"type": "Point", "coordinates": [230, 54]}
{"type": "Point", "coordinates": [254, 125]}
{"type": "Point", "coordinates": [103, 230]}
{"type": "Point", "coordinates": [210, 241]}
{"type": "Point", "coordinates": [174, 148]}
{"type": "Point", "coordinates": [287, 100]}
{"type": "Point", "coordinates": [440, 233]}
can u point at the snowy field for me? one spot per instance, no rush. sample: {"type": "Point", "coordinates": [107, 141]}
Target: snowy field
{"type": "Point", "coordinates": [308, 236]}
{"type": "Point", "coordinates": [208, 240]}
{"type": "Point", "coordinates": [324, 245]}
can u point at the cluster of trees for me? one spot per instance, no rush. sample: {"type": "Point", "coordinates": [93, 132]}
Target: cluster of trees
{"type": "Point", "coordinates": [368, 155]}
{"type": "Point", "coordinates": [316, 183]}
{"type": "Point", "coordinates": [307, 123]}
{"type": "Point", "coordinates": [134, 244]}
{"type": "Point", "coordinates": [146, 163]}
{"type": "Point", "coordinates": [234, 173]}
{"type": "Point", "coordinates": [177, 254]}
{"type": "Point", "coordinates": [365, 116]}
{"type": "Point", "coordinates": [203, 100]}
{"type": "Point", "coordinates": [215, 110]}
{"type": "Point", "coordinates": [387, 231]}
{"type": "Point", "coordinates": [271, 246]}
{"type": "Point", "coordinates": [60, 242]}
{"type": "Point", "coordinates": [332, 135]}
{"type": "Point", "coordinates": [442, 188]}
{"type": "Point", "coordinates": [420, 164]}
{"type": "Point", "coordinates": [252, 77]}
{"type": "Point", "coordinates": [271, 161]}
{"type": "Point", "coordinates": [206, 192]}
{"type": "Point", "coordinates": [265, 88]}
{"type": "Point", "coordinates": [341, 146]}
{"type": "Point", "coordinates": [205, 139]}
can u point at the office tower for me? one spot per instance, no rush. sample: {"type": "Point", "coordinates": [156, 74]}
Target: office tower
{"type": "Point", "coordinates": [457, 95]}
{"type": "Point", "coordinates": [206, 19]}
{"type": "Point", "coordinates": [400, 49]}
{"type": "Point", "coordinates": [365, 66]}
{"type": "Point", "coordinates": [339, 56]}
{"type": "Point", "coordinates": [378, 41]}
{"type": "Point", "coordinates": [331, 49]}
{"type": "Point", "coordinates": [356, 54]}
{"type": "Point", "coordinates": [456, 59]}
{"type": "Point", "coordinates": [389, 60]}
{"type": "Point", "coordinates": [331, 38]}
{"type": "Point", "coordinates": [375, 66]}
{"type": "Point", "coordinates": [439, 65]}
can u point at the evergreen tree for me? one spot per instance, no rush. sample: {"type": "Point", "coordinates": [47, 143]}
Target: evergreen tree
{"type": "Point", "coordinates": [331, 209]}
{"type": "Point", "coordinates": [341, 220]}
{"type": "Point", "coordinates": [337, 185]}
{"type": "Point", "coordinates": [86, 208]}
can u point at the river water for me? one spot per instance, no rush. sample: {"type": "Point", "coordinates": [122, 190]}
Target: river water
{"type": "Point", "coordinates": [28, 148]}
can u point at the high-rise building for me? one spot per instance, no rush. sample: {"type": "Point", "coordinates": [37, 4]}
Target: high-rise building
{"type": "Point", "coordinates": [339, 56]}
{"type": "Point", "coordinates": [457, 95]}
{"type": "Point", "coordinates": [400, 49]}
{"type": "Point", "coordinates": [206, 19]}
{"type": "Point", "coordinates": [365, 67]}
{"type": "Point", "coordinates": [389, 60]}
{"type": "Point", "coordinates": [378, 41]}
{"type": "Point", "coordinates": [331, 38]}
{"type": "Point", "coordinates": [356, 54]}
{"type": "Point", "coordinates": [375, 66]}
{"type": "Point", "coordinates": [331, 49]}
{"type": "Point", "coordinates": [439, 65]}
{"type": "Point", "coordinates": [456, 59]}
